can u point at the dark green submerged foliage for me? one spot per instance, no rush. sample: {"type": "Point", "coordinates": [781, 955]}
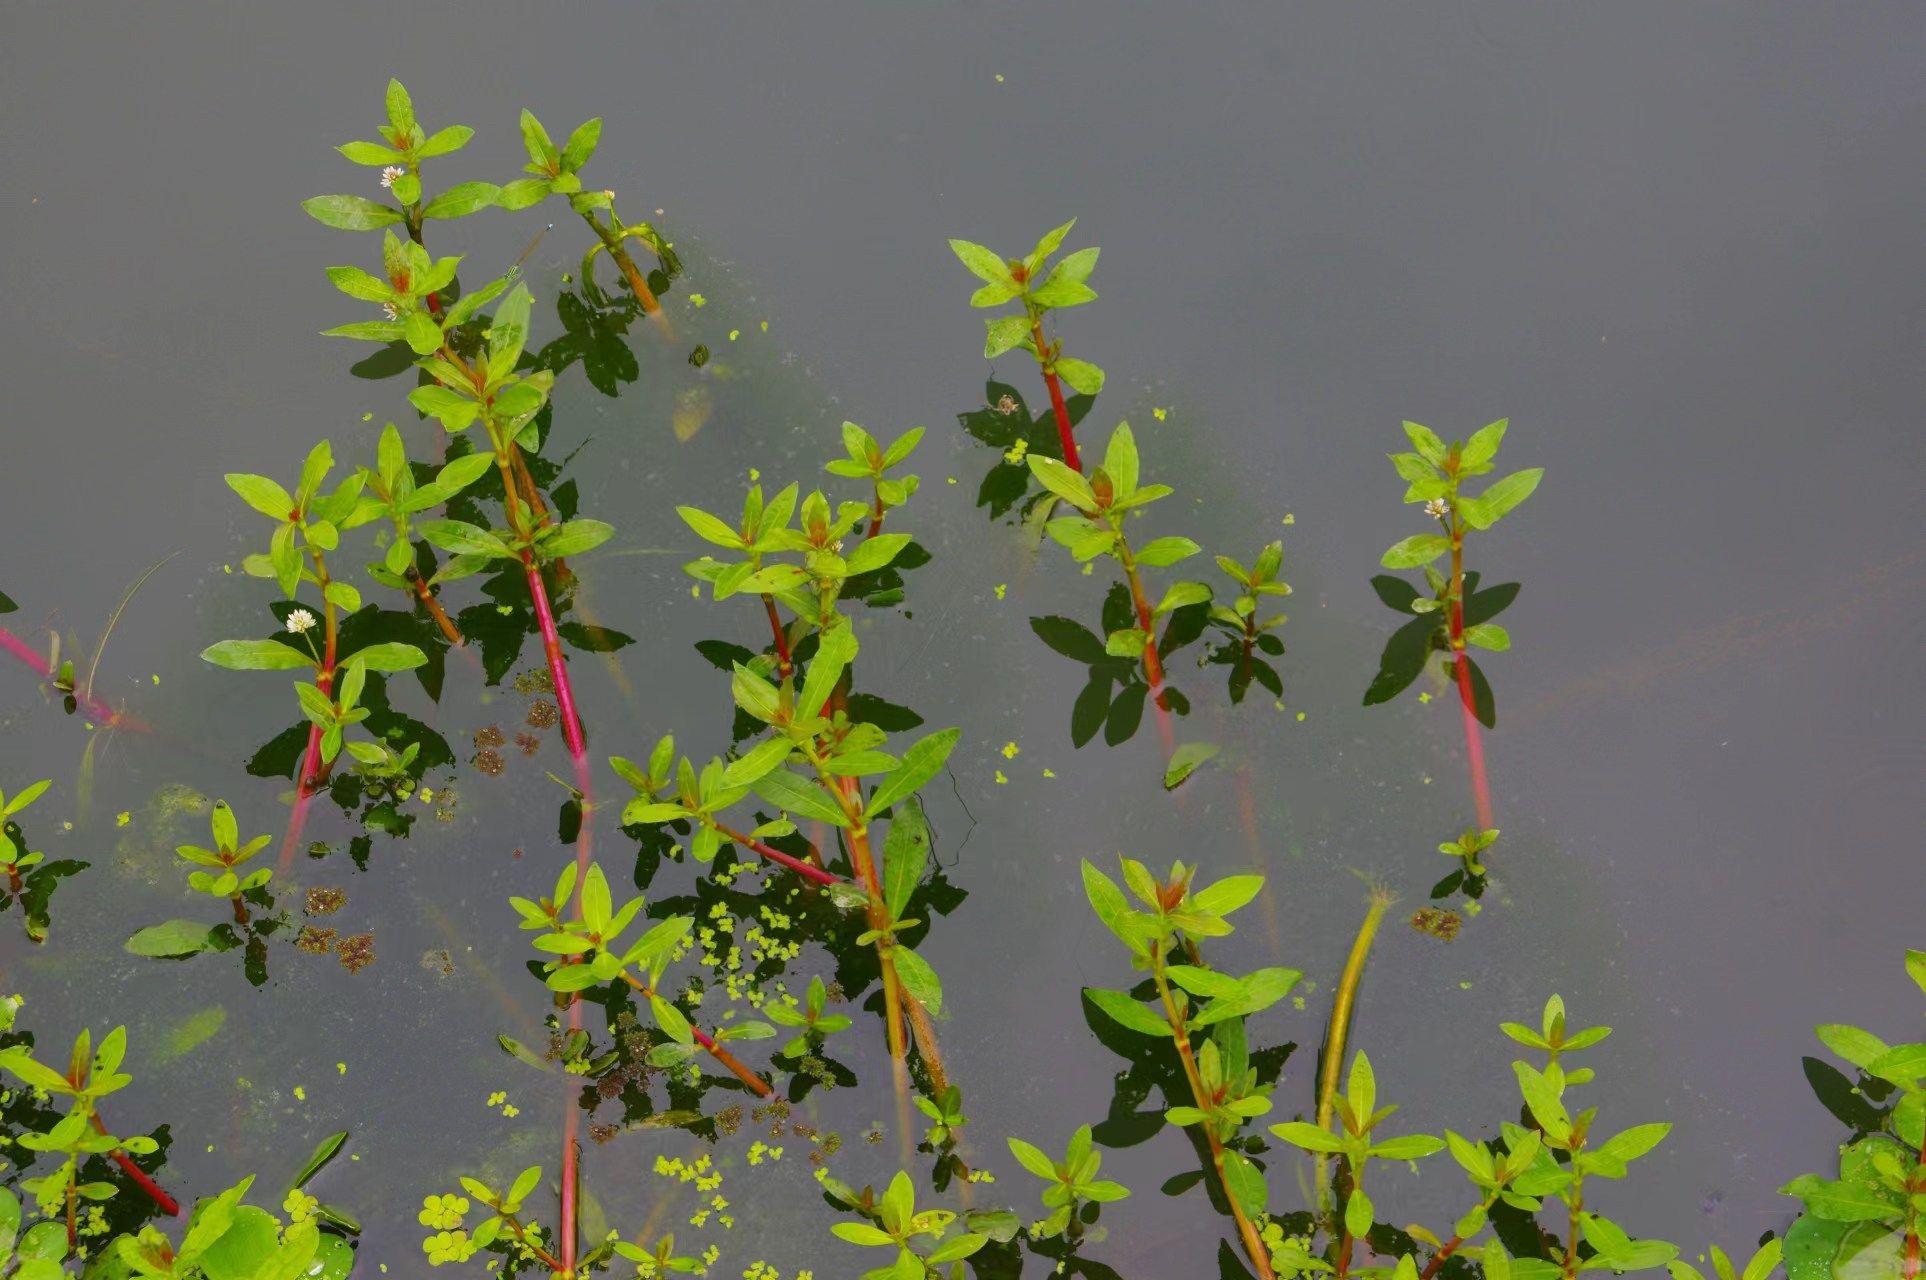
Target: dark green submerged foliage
{"type": "Point", "coordinates": [813, 824]}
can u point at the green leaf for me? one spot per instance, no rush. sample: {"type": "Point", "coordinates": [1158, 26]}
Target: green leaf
{"type": "Point", "coordinates": [1410, 1146]}
{"type": "Point", "coordinates": [919, 979]}
{"type": "Point", "coordinates": [920, 763]}
{"type": "Point", "coordinates": [1166, 551]}
{"type": "Point", "coordinates": [905, 855]}
{"type": "Point", "coordinates": [1127, 1012]}
{"type": "Point", "coordinates": [390, 655]}
{"type": "Point", "coordinates": [983, 263]}
{"type": "Point", "coordinates": [508, 331]}
{"type": "Point", "coordinates": [1483, 445]}
{"type": "Point", "coordinates": [1246, 1184]}
{"type": "Point", "coordinates": [1844, 1201]}
{"type": "Point", "coordinates": [793, 795]}
{"type": "Point", "coordinates": [576, 537]}
{"type": "Point", "coordinates": [176, 939]}
{"type": "Point", "coordinates": [1033, 1159]}
{"type": "Point", "coordinates": [1062, 481]}
{"type": "Point", "coordinates": [1185, 760]}
{"type": "Point", "coordinates": [256, 655]}
{"type": "Point", "coordinates": [581, 144]}
{"type": "Point", "coordinates": [1488, 635]}
{"type": "Point", "coordinates": [444, 142]}
{"type": "Point", "coordinates": [350, 213]}
{"type": "Point", "coordinates": [1418, 549]}
{"type": "Point", "coordinates": [1854, 1045]}
{"type": "Point", "coordinates": [1307, 1136]}
{"type": "Point", "coordinates": [710, 529]}
{"type": "Point", "coordinates": [461, 200]}
{"type": "Point", "coordinates": [1085, 379]}
{"type": "Point", "coordinates": [322, 1154]}
{"type": "Point", "coordinates": [1004, 333]}
{"type": "Point", "coordinates": [263, 494]}
{"type": "Point", "coordinates": [463, 538]}
{"type": "Point", "coordinates": [1498, 501]}
{"type": "Point", "coordinates": [759, 760]}
{"type": "Point", "coordinates": [1426, 442]}
{"type": "Point", "coordinates": [372, 154]}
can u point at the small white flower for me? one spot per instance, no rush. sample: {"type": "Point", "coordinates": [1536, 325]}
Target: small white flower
{"type": "Point", "coordinates": [392, 172]}
{"type": "Point", "coordinates": [390, 310]}
{"type": "Point", "coordinates": [299, 621]}
{"type": "Point", "coordinates": [1437, 508]}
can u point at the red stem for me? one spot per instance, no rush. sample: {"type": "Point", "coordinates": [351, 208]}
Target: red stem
{"type": "Point", "coordinates": [1064, 437]}
{"type": "Point", "coordinates": [785, 665]}
{"type": "Point", "coordinates": [313, 772]}
{"type": "Point", "coordinates": [168, 1205]}
{"type": "Point", "coordinates": [806, 870]}
{"type": "Point", "coordinates": [1068, 441]}
{"type": "Point", "coordinates": [1474, 743]}
{"type": "Point", "coordinates": [578, 752]}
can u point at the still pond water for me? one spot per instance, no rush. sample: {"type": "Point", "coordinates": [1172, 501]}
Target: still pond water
{"type": "Point", "coordinates": [1678, 248]}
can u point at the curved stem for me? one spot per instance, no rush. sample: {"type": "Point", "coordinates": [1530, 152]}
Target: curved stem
{"type": "Point", "coordinates": [1335, 1038]}
{"type": "Point", "coordinates": [546, 1258]}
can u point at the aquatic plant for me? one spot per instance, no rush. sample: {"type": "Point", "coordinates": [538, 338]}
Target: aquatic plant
{"type": "Point", "coordinates": [225, 879]}
{"type": "Point", "coordinates": [557, 171]}
{"type": "Point", "coordinates": [588, 952]}
{"type": "Point", "coordinates": [1072, 1189]}
{"type": "Point", "coordinates": [307, 526]}
{"type": "Point", "coordinates": [1245, 635]}
{"type": "Point", "coordinates": [1867, 1220]}
{"type": "Point", "coordinates": [891, 1221]}
{"type": "Point", "coordinates": [1103, 502]}
{"type": "Point", "coordinates": [1455, 615]}
{"type": "Point", "coordinates": [31, 879]}
{"type": "Point", "coordinates": [1549, 1161]}
{"type": "Point", "coordinates": [1023, 280]}
{"type": "Point", "coordinates": [817, 725]}
{"type": "Point", "coordinates": [91, 1074]}
{"type": "Point", "coordinates": [1224, 1089]}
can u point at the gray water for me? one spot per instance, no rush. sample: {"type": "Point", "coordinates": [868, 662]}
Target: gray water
{"type": "Point", "coordinates": [1677, 246]}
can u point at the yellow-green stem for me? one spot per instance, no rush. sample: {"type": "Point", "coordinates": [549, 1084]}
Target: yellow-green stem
{"type": "Point", "coordinates": [1340, 1030]}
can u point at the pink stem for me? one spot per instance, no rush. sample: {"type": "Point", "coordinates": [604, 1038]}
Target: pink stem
{"type": "Point", "coordinates": [578, 752]}
{"type": "Point", "coordinates": [1474, 744]}
{"type": "Point", "coordinates": [92, 706]}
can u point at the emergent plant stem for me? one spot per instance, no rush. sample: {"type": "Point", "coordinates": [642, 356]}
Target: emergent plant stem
{"type": "Point", "coordinates": [1474, 744]}
{"type": "Point", "coordinates": [708, 1042]}
{"type": "Point", "coordinates": [1049, 370]}
{"type": "Point", "coordinates": [1246, 1229]}
{"type": "Point", "coordinates": [1339, 1032]}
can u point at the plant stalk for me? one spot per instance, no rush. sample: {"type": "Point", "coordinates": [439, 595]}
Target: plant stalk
{"type": "Point", "coordinates": [785, 665]}
{"type": "Point", "coordinates": [1065, 437]}
{"type": "Point", "coordinates": [808, 871]}
{"type": "Point", "coordinates": [1339, 1032]}
{"type": "Point", "coordinates": [314, 771]}
{"type": "Point", "coordinates": [1180, 1036]}
{"type": "Point", "coordinates": [1474, 743]}
{"type": "Point", "coordinates": [736, 1066]}
{"type": "Point", "coordinates": [168, 1205]}
{"type": "Point", "coordinates": [435, 611]}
